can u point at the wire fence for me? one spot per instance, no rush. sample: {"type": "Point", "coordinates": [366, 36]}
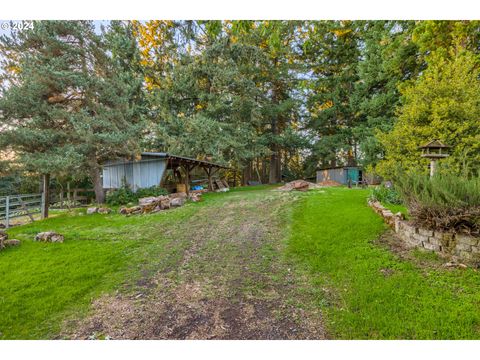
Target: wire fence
{"type": "Point", "coordinates": [14, 206]}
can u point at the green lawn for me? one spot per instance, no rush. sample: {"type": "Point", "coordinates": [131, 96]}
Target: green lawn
{"type": "Point", "coordinates": [362, 288]}
{"type": "Point", "coordinates": [43, 283]}
{"type": "Point", "coordinates": [395, 208]}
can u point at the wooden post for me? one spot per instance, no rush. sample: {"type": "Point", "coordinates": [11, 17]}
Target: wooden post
{"type": "Point", "coordinates": [432, 167]}
{"type": "Point", "coordinates": [69, 203]}
{"type": "Point", "coordinates": [208, 170]}
{"type": "Point", "coordinates": [61, 198]}
{"type": "Point", "coordinates": [45, 195]}
{"type": "Point", "coordinates": [187, 178]}
{"type": "Point", "coordinates": [24, 207]}
{"type": "Point", "coordinates": [7, 212]}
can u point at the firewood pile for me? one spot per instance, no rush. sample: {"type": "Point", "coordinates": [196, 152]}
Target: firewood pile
{"type": "Point", "coordinates": [298, 185]}
{"type": "Point", "coordinates": [154, 204]}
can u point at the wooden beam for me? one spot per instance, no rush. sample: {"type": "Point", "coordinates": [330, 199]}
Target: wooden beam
{"type": "Point", "coordinates": [46, 195]}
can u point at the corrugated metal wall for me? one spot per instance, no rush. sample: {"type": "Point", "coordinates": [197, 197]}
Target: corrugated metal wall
{"type": "Point", "coordinates": [338, 175]}
{"type": "Point", "coordinates": [138, 175]}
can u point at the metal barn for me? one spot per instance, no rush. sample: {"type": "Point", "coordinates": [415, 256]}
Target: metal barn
{"type": "Point", "coordinates": [150, 170]}
{"type": "Point", "coordinates": [341, 174]}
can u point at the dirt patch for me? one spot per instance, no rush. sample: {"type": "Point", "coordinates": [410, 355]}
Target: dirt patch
{"type": "Point", "coordinates": [230, 283]}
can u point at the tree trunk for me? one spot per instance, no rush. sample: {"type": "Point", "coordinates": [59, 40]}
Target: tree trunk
{"type": "Point", "coordinates": [264, 171]}
{"type": "Point", "coordinates": [97, 183]}
{"type": "Point", "coordinates": [274, 158]}
{"type": "Point", "coordinates": [247, 173]}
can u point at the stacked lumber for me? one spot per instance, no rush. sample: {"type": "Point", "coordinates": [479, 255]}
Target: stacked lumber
{"type": "Point", "coordinates": [220, 185]}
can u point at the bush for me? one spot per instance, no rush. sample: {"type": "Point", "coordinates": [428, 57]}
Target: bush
{"type": "Point", "coordinates": [125, 195]}
{"type": "Point", "coordinates": [445, 202]}
{"type": "Point", "coordinates": [386, 194]}
{"type": "Point", "coordinates": [151, 191]}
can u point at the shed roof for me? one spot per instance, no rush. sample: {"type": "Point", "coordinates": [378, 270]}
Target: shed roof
{"type": "Point", "coordinates": [339, 167]}
{"type": "Point", "coordinates": [184, 159]}
{"type": "Point", "coordinates": [174, 160]}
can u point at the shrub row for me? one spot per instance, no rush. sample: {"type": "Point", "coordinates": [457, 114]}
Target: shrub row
{"type": "Point", "coordinates": [444, 202]}
{"type": "Point", "coordinates": [125, 195]}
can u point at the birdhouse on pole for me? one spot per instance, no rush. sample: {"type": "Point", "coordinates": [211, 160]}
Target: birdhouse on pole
{"type": "Point", "coordinates": [434, 150]}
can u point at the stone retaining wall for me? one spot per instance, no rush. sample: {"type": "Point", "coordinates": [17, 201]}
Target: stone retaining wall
{"type": "Point", "coordinates": [446, 244]}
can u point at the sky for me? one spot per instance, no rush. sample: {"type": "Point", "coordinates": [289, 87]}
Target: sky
{"type": "Point", "coordinates": [5, 26]}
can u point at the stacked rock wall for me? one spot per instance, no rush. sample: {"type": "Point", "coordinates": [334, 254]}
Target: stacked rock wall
{"type": "Point", "coordinates": [461, 245]}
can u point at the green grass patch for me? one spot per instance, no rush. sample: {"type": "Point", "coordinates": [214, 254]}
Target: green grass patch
{"type": "Point", "coordinates": [395, 208]}
{"type": "Point", "coordinates": [43, 283]}
{"type": "Point", "coordinates": [365, 291]}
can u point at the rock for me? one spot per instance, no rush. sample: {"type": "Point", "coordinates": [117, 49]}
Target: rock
{"type": "Point", "coordinates": [104, 210]}
{"type": "Point", "coordinates": [195, 197]}
{"type": "Point", "coordinates": [3, 235]}
{"type": "Point", "coordinates": [49, 236]}
{"type": "Point", "coordinates": [92, 210]}
{"type": "Point", "coordinates": [175, 202]}
{"type": "Point", "coordinates": [147, 200]}
{"type": "Point", "coordinates": [2, 226]}
{"type": "Point", "coordinates": [11, 242]}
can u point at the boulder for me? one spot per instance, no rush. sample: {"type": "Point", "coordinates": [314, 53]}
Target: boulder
{"type": "Point", "coordinates": [92, 210]}
{"type": "Point", "coordinates": [104, 210]}
{"type": "Point", "coordinates": [11, 242]}
{"type": "Point", "coordinates": [49, 236]}
{"type": "Point", "coordinates": [175, 202]}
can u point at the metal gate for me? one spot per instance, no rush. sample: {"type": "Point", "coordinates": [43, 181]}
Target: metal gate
{"type": "Point", "coordinates": [14, 206]}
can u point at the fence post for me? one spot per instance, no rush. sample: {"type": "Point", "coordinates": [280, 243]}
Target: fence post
{"type": "Point", "coordinates": [7, 211]}
{"type": "Point", "coordinates": [43, 205]}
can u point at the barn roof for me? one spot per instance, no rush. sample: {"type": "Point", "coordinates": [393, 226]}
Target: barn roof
{"type": "Point", "coordinates": [174, 160]}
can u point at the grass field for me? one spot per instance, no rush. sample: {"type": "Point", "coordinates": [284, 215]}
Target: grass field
{"type": "Point", "coordinates": [366, 292]}
{"type": "Point", "coordinates": [252, 263]}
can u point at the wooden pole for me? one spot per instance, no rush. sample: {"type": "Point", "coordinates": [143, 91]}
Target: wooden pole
{"type": "Point", "coordinates": [7, 212]}
{"type": "Point", "coordinates": [208, 170]}
{"type": "Point", "coordinates": [69, 202]}
{"type": "Point", "coordinates": [187, 178]}
{"type": "Point", "coordinates": [432, 167]}
{"type": "Point", "coordinates": [45, 195]}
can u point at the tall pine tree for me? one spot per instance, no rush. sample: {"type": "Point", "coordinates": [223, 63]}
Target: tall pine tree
{"type": "Point", "coordinates": [71, 98]}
